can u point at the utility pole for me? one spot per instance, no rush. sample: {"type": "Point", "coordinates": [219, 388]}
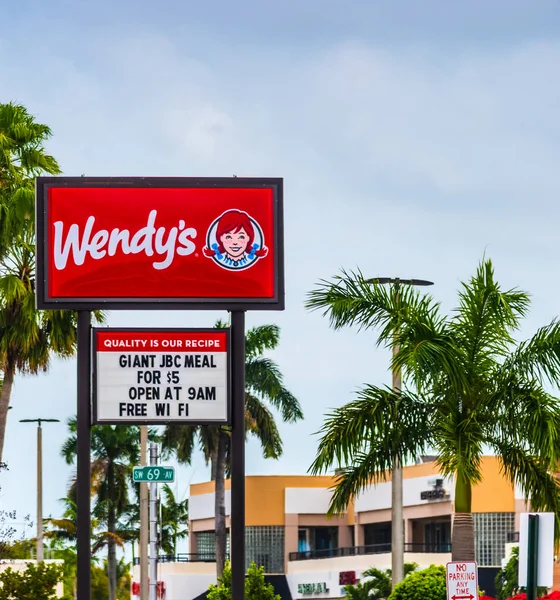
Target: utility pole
{"type": "Point", "coordinates": [40, 546]}
{"type": "Point", "coordinates": [397, 521]}
{"type": "Point", "coordinates": [144, 518]}
{"type": "Point", "coordinates": [153, 527]}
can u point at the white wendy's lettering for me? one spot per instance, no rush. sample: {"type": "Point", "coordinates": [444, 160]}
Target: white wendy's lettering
{"type": "Point", "coordinates": [165, 244]}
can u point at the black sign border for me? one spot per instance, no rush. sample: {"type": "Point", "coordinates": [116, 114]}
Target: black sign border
{"type": "Point", "coordinates": [43, 301]}
{"type": "Point", "coordinates": [144, 331]}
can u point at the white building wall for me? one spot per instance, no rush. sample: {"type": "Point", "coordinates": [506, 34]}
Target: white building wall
{"type": "Point", "coordinates": [378, 497]}
{"type": "Point", "coordinates": [202, 506]}
{"type": "Point", "coordinates": [307, 501]}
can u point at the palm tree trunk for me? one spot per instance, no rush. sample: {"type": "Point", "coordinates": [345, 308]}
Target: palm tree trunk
{"type": "Point", "coordinates": [5, 396]}
{"type": "Point", "coordinates": [462, 536]}
{"type": "Point", "coordinates": [213, 465]}
{"type": "Point", "coordinates": [111, 528]}
{"type": "Point", "coordinates": [112, 557]}
{"type": "Point", "coordinates": [220, 504]}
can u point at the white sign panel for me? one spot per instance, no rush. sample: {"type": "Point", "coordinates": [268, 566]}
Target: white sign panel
{"type": "Point", "coordinates": [545, 568]}
{"type": "Point", "coordinates": [462, 580]}
{"type": "Point", "coordinates": [157, 376]}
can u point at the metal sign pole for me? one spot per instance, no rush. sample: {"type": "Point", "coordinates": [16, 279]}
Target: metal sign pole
{"type": "Point", "coordinates": [83, 450]}
{"type": "Point", "coordinates": [153, 527]}
{"type": "Point", "coordinates": [532, 556]}
{"type": "Point", "coordinates": [237, 543]}
{"type": "Point", "coordinates": [144, 518]}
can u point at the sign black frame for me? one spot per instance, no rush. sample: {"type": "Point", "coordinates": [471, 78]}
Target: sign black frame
{"type": "Point", "coordinates": [148, 330]}
{"type": "Point", "coordinates": [44, 301]}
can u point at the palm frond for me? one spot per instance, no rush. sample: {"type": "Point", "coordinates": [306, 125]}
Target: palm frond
{"type": "Point", "coordinates": [260, 423]}
{"type": "Point", "coordinates": [524, 414]}
{"type": "Point", "coordinates": [263, 377]}
{"type": "Point", "coordinates": [538, 357]}
{"type": "Point", "coordinates": [533, 475]}
{"type": "Point", "coordinates": [351, 299]}
{"type": "Point", "coordinates": [379, 427]}
{"type": "Point", "coordinates": [487, 317]}
{"type": "Point", "coordinates": [261, 338]}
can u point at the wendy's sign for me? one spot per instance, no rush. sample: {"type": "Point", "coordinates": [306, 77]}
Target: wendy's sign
{"type": "Point", "coordinates": [155, 243]}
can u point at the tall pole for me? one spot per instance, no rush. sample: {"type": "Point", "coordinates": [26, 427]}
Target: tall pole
{"type": "Point", "coordinates": [237, 544]}
{"type": "Point", "coordinates": [397, 521]}
{"type": "Point", "coordinates": [153, 527]}
{"type": "Point", "coordinates": [83, 451]}
{"type": "Point", "coordinates": [397, 527]}
{"type": "Point", "coordinates": [40, 545]}
{"type": "Point", "coordinates": [144, 518]}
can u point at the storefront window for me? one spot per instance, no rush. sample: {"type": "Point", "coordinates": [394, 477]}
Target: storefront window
{"type": "Point", "coordinates": [303, 540]}
{"type": "Point", "coordinates": [265, 546]}
{"type": "Point", "coordinates": [378, 534]}
{"type": "Point", "coordinates": [437, 536]}
{"type": "Point", "coordinates": [490, 536]}
{"type": "Point", "coordinates": [206, 545]}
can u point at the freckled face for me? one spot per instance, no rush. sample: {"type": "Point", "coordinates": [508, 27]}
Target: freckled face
{"type": "Point", "coordinates": [235, 243]}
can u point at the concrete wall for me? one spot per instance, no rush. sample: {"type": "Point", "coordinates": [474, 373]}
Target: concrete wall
{"type": "Point", "coordinates": [362, 562]}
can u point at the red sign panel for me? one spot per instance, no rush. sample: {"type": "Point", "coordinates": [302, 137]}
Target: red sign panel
{"type": "Point", "coordinates": [159, 243]}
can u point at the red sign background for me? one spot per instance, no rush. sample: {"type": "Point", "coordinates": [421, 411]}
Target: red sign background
{"type": "Point", "coordinates": [190, 274]}
{"type": "Point", "coordinates": [133, 342]}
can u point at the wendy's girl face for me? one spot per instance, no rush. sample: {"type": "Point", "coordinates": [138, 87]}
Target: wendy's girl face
{"type": "Point", "coordinates": [235, 243]}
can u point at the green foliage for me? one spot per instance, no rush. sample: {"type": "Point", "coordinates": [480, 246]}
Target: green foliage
{"type": "Point", "coordinates": [427, 584]}
{"type": "Point", "coordinates": [19, 549]}
{"type": "Point", "coordinates": [507, 578]}
{"type": "Point", "coordinates": [22, 158]}
{"type": "Point", "coordinates": [37, 582]}
{"type": "Point", "coordinates": [174, 518]}
{"type": "Point", "coordinates": [255, 586]}
{"type": "Point", "coordinates": [100, 582]}
{"type": "Point", "coordinates": [375, 584]}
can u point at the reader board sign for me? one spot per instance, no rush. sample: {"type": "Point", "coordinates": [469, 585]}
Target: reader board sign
{"type": "Point", "coordinates": [156, 243]}
{"type": "Point", "coordinates": [462, 580]}
{"type": "Point", "coordinates": [157, 376]}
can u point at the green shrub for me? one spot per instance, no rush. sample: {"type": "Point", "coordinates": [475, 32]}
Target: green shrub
{"type": "Point", "coordinates": [375, 584]}
{"type": "Point", "coordinates": [37, 582]}
{"type": "Point", "coordinates": [427, 584]}
{"type": "Point", "coordinates": [255, 586]}
{"type": "Point", "coordinates": [506, 580]}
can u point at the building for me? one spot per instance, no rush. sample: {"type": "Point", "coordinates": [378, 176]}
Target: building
{"type": "Point", "coordinates": [288, 532]}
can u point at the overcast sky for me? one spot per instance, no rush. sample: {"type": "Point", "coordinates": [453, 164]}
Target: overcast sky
{"type": "Point", "coordinates": [413, 138]}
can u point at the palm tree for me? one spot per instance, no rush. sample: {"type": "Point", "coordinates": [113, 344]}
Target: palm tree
{"type": "Point", "coordinates": [27, 337]}
{"type": "Point", "coordinates": [65, 529]}
{"type": "Point", "coordinates": [115, 450]}
{"type": "Point", "coordinates": [63, 535]}
{"type": "Point", "coordinates": [475, 389]}
{"type": "Point", "coordinates": [375, 584]}
{"type": "Point", "coordinates": [22, 158]}
{"type": "Point", "coordinates": [264, 389]}
{"type": "Point", "coordinates": [174, 518]}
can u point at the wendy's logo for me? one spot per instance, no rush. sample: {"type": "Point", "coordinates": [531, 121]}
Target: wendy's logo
{"type": "Point", "coordinates": [235, 241]}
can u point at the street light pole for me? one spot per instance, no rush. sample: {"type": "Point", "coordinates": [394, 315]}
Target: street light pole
{"type": "Point", "coordinates": [397, 522]}
{"type": "Point", "coordinates": [40, 547]}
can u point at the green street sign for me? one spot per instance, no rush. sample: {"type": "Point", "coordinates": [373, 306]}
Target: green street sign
{"type": "Point", "coordinates": [153, 474]}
